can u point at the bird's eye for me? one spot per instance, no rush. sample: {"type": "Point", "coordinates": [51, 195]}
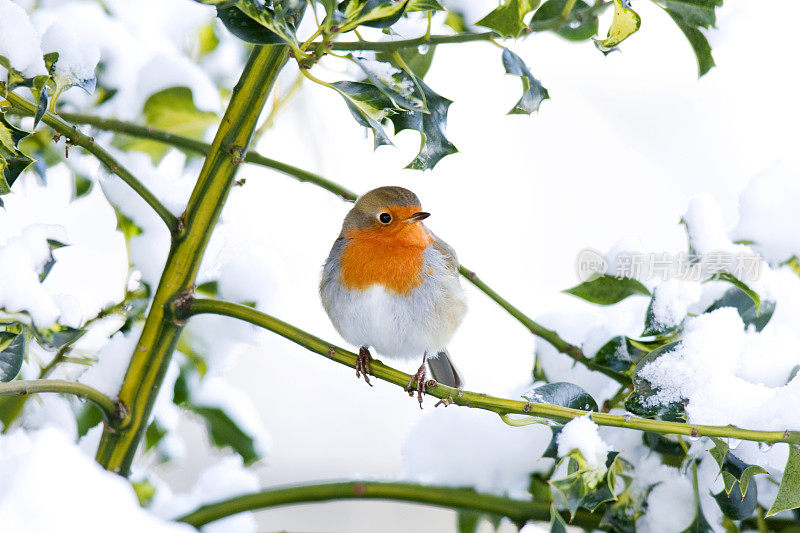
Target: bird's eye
{"type": "Point", "coordinates": [385, 218]}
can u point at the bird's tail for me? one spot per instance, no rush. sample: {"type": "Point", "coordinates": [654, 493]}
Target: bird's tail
{"type": "Point", "coordinates": [444, 371]}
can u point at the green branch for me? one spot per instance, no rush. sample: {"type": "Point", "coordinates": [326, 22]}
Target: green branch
{"type": "Point", "coordinates": [160, 333]}
{"type": "Point", "coordinates": [191, 145]}
{"type": "Point", "coordinates": [183, 310]}
{"type": "Point", "coordinates": [432, 40]}
{"type": "Point", "coordinates": [74, 136]}
{"type": "Point", "coordinates": [519, 511]}
{"type": "Point", "coordinates": [37, 386]}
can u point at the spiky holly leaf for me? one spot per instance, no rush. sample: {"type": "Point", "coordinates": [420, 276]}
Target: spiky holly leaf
{"type": "Point", "coordinates": [736, 502]}
{"type": "Point", "coordinates": [280, 18]}
{"type": "Point", "coordinates": [507, 18]}
{"type": "Point", "coordinates": [431, 126]}
{"type": "Point", "coordinates": [417, 59]}
{"type": "Point", "coordinates": [789, 490]}
{"type": "Point", "coordinates": [368, 105]}
{"type": "Point", "coordinates": [624, 24]}
{"type": "Point", "coordinates": [395, 83]}
{"type": "Point", "coordinates": [533, 92]}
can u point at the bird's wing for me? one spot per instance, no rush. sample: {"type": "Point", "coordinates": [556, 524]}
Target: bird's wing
{"type": "Point", "coordinates": [447, 251]}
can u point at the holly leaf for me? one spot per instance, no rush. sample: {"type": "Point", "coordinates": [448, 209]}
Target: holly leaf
{"type": "Point", "coordinates": [533, 92]}
{"type": "Point", "coordinates": [171, 110]}
{"type": "Point", "coordinates": [624, 24]}
{"type": "Point", "coordinates": [579, 25]}
{"type": "Point", "coordinates": [690, 16]}
{"type": "Point", "coordinates": [652, 325]}
{"type": "Point", "coordinates": [13, 347]}
{"type": "Point", "coordinates": [373, 13]}
{"type": "Point", "coordinates": [431, 126]}
{"type": "Point", "coordinates": [279, 17]}
{"type": "Point", "coordinates": [642, 403]}
{"type": "Point", "coordinates": [417, 59]}
{"type": "Point", "coordinates": [746, 306]}
{"type": "Point", "coordinates": [618, 354]}
{"type": "Point", "coordinates": [607, 290]}
{"type": "Point", "coordinates": [564, 394]}
{"type": "Point", "coordinates": [507, 18]}
{"type": "Point", "coordinates": [368, 105]}
{"type": "Point", "coordinates": [789, 490]}
{"type": "Point", "coordinates": [395, 83]}
{"type": "Point", "coordinates": [735, 503]}
{"type": "Point", "coordinates": [557, 523]}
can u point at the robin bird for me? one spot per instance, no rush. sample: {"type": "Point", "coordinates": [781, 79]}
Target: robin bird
{"type": "Point", "coordinates": [391, 284]}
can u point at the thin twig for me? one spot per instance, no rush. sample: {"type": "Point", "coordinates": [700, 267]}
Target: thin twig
{"type": "Point", "coordinates": [108, 406]}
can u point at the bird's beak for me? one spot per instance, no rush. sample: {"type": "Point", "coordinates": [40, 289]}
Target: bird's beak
{"type": "Point", "coordinates": [416, 217]}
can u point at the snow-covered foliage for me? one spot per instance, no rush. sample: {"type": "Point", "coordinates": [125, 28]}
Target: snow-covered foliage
{"type": "Point", "coordinates": [707, 334]}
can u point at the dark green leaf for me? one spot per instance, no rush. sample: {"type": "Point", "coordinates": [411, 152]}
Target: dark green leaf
{"type": "Point", "coordinates": [533, 92]}
{"type": "Point", "coordinates": [51, 261]}
{"type": "Point", "coordinates": [698, 42]}
{"type": "Point", "coordinates": [244, 27]}
{"type": "Point", "coordinates": [88, 417]}
{"type": "Point", "coordinates": [662, 445]}
{"type": "Point", "coordinates": [153, 435]}
{"type": "Point", "coordinates": [719, 451]}
{"type": "Point", "coordinates": [507, 19]}
{"type": "Point", "coordinates": [564, 394]}
{"type": "Point", "coordinates": [557, 523]}
{"type": "Point", "coordinates": [468, 521]}
{"type": "Point", "coordinates": [745, 305]}
{"type": "Point", "coordinates": [607, 290]}
{"type": "Point", "coordinates": [431, 125]}
{"type": "Point", "coordinates": [789, 490]}
{"type": "Point", "coordinates": [57, 336]}
{"type": "Point", "coordinates": [580, 24]}
{"type": "Point", "coordinates": [625, 23]}
{"type": "Point", "coordinates": [693, 12]}
{"type": "Point", "coordinates": [225, 432]}
{"type": "Point", "coordinates": [733, 503]}
{"type": "Point", "coordinates": [742, 286]}
{"type": "Point", "coordinates": [618, 354]}
{"type": "Point", "coordinates": [13, 347]}
{"type": "Point", "coordinates": [368, 105]}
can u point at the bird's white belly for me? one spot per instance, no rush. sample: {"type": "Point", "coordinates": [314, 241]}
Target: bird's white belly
{"type": "Point", "coordinates": [395, 326]}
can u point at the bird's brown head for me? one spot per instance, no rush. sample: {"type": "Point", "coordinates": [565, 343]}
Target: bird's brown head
{"type": "Point", "coordinates": [387, 213]}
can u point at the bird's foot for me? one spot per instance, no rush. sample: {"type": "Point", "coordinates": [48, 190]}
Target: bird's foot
{"type": "Point", "coordinates": [419, 378]}
{"type": "Point", "coordinates": [362, 363]}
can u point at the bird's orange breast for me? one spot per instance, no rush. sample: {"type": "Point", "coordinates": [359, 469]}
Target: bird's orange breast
{"type": "Point", "coordinates": [390, 257]}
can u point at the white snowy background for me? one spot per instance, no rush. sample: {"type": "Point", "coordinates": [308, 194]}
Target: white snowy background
{"type": "Point", "coordinates": [621, 150]}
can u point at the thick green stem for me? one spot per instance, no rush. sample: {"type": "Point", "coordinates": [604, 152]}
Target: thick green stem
{"type": "Point", "coordinates": [161, 331]}
{"type": "Point", "coordinates": [38, 386]}
{"type": "Point", "coordinates": [519, 511]}
{"type": "Point", "coordinates": [449, 395]}
{"type": "Point", "coordinates": [74, 136]}
{"type": "Point", "coordinates": [389, 46]}
{"type": "Point", "coordinates": [191, 145]}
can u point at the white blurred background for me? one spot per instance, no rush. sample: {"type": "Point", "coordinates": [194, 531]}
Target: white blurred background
{"type": "Point", "coordinates": [619, 149]}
